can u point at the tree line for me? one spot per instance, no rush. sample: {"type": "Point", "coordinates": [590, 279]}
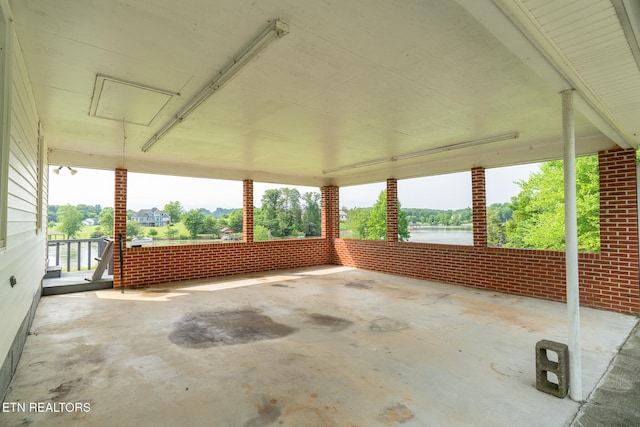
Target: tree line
{"type": "Point", "coordinates": [532, 219]}
{"type": "Point", "coordinates": [283, 213]}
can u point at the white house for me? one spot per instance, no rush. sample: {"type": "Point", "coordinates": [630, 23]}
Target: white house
{"type": "Point", "coordinates": [90, 221]}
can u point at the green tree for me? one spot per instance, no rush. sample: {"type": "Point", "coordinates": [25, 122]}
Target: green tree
{"type": "Point", "coordinates": [357, 222]}
{"type": "Point", "coordinates": [403, 224]}
{"type": "Point", "coordinates": [538, 210]}
{"type": "Point", "coordinates": [290, 217]}
{"type": "Point", "coordinates": [153, 232]}
{"type": "Point", "coordinates": [133, 229]}
{"type": "Point", "coordinates": [272, 203]}
{"type": "Point", "coordinates": [260, 233]}
{"type": "Point", "coordinates": [210, 226]}
{"type": "Point", "coordinates": [311, 215]}
{"type": "Point", "coordinates": [171, 232]}
{"type": "Point", "coordinates": [377, 222]}
{"type": "Point", "coordinates": [106, 221]}
{"type": "Point", "coordinates": [497, 216]}
{"type": "Point", "coordinates": [70, 220]}
{"type": "Point", "coordinates": [52, 213]}
{"type": "Point", "coordinates": [236, 220]}
{"type": "Point", "coordinates": [193, 221]}
{"type": "Point", "coordinates": [175, 211]}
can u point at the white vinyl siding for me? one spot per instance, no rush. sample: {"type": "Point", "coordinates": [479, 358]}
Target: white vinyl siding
{"type": "Point", "coordinates": [24, 254]}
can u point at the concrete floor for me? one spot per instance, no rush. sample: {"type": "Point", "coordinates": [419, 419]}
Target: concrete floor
{"type": "Point", "coordinates": [326, 346]}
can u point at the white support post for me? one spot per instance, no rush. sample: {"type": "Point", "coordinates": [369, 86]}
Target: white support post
{"type": "Point", "coordinates": [571, 239]}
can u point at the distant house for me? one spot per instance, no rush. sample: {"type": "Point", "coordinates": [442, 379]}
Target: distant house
{"type": "Point", "coordinates": [151, 217]}
{"type": "Point", "coordinates": [91, 221]}
{"type": "Point", "coordinates": [343, 216]}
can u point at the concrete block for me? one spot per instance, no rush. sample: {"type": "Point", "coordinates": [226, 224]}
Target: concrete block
{"type": "Point", "coordinates": [53, 272]}
{"type": "Point", "coordinates": [559, 368]}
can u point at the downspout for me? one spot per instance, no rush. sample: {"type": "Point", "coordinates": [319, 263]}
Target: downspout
{"type": "Point", "coordinates": [571, 252]}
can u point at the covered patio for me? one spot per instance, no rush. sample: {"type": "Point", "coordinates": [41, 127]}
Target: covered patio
{"type": "Point", "coordinates": [319, 346]}
{"type": "Point", "coordinates": [325, 95]}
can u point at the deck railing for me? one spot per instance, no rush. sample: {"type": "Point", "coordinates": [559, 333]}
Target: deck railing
{"type": "Point", "coordinates": [78, 254]}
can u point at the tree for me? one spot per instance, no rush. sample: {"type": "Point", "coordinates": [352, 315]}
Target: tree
{"type": "Point", "coordinates": [106, 221]}
{"type": "Point", "coordinates": [497, 216]}
{"type": "Point", "coordinates": [377, 221]}
{"type": "Point", "coordinates": [538, 210]}
{"type": "Point", "coordinates": [290, 217]}
{"type": "Point", "coordinates": [175, 211]}
{"type": "Point", "coordinates": [211, 226]}
{"type": "Point", "coordinates": [311, 215]}
{"type": "Point", "coordinates": [272, 204]}
{"type": "Point", "coordinates": [70, 220]}
{"type": "Point", "coordinates": [171, 233]}
{"type": "Point", "coordinates": [153, 232]}
{"type": "Point", "coordinates": [403, 224]}
{"type": "Point", "coordinates": [133, 229]}
{"type": "Point", "coordinates": [236, 220]}
{"type": "Point", "coordinates": [260, 233]}
{"type": "Point", "coordinates": [357, 222]}
{"type": "Point", "coordinates": [193, 221]}
{"type": "Point", "coordinates": [52, 213]}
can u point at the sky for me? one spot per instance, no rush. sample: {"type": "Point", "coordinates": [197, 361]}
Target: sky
{"type": "Point", "coordinates": [452, 191]}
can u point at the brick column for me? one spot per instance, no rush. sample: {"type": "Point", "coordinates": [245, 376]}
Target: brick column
{"type": "Point", "coordinates": [119, 222]}
{"type": "Point", "coordinates": [247, 205]}
{"type": "Point", "coordinates": [392, 210]}
{"type": "Point", "coordinates": [619, 227]}
{"type": "Point", "coordinates": [330, 212]}
{"type": "Point", "coordinates": [479, 202]}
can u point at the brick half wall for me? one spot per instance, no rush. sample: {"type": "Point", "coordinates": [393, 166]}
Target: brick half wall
{"type": "Point", "coordinates": [539, 274]}
{"type": "Point", "coordinates": [608, 280]}
{"type": "Point", "coordinates": [160, 264]}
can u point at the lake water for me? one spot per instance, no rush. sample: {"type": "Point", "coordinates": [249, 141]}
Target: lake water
{"type": "Point", "coordinates": [445, 235]}
{"type": "Point", "coordinates": [451, 236]}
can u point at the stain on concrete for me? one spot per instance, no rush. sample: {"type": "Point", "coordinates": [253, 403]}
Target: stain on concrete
{"type": "Point", "coordinates": [334, 324]}
{"type": "Point", "coordinates": [280, 285]}
{"type": "Point", "coordinates": [397, 413]}
{"type": "Point", "coordinates": [360, 284]}
{"type": "Point", "coordinates": [85, 354]}
{"type": "Point", "coordinates": [63, 390]}
{"type": "Point", "coordinates": [268, 412]}
{"type": "Point", "coordinates": [385, 324]}
{"type": "Point", "coordinates": [219, 328]}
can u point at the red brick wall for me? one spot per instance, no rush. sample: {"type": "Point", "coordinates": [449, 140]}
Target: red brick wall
{"type": "Point", "coordinates": [608, 280]}
{"type": "Point", "coordinates": [151, 265]}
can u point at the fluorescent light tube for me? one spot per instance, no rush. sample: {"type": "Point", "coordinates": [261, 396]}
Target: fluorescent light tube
{"type": "Point", "coordinates": [450, 147]}
{"type": "Point", "coordinates": [275, 30]}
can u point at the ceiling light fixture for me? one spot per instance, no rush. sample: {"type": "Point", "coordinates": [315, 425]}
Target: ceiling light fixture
{"type": "Point", "coordinates": [275, 30]}
{"type": "Point", "coordinates": [450, 147]}
{"type": "Point", "coordinates": [59, 168]}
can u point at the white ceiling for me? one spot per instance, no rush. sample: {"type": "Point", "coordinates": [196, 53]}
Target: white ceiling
{"type": "Point", "coordinates": [353, 81]}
